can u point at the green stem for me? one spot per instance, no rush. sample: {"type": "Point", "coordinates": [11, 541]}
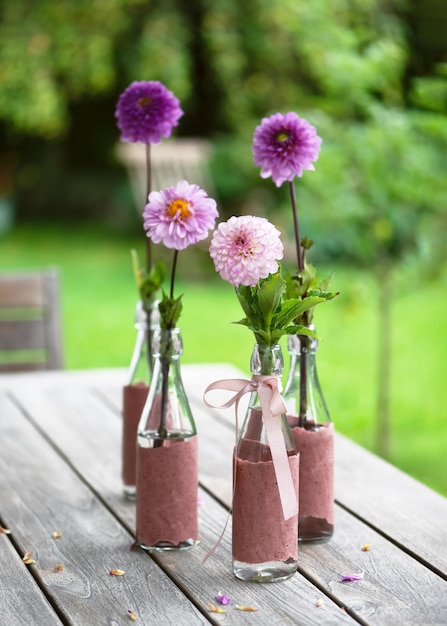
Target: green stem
{"type": "Point", "coordinates": [165, 348]}
{"type": "Point", "coordinates": [148, 255]}
{"type": "Point", "coordinates": [302, 417]}
{"type": "Point", "coordinates": [304, 344]}
{"type": "Point", "coordinates": [174, 266]}
{"type": "Point", "coordinates": [296, 227]}
{"type": "Point", "coordinates": [148, 190]}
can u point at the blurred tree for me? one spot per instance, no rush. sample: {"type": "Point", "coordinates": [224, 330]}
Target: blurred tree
{"type": "Point", "coordinates": [52, 53]}
{"type": "Point", "coordinates": [392, 192]}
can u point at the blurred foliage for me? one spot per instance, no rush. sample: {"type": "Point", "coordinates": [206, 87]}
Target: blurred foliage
{"type": "Point", "coordinates": [362, 71]}
{"type": "Point", "coordinates": [246, 59]}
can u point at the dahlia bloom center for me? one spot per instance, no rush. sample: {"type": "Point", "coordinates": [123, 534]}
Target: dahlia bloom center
{"type": "Point", "coordinates": [282, 136]}
{"type": "Point", "coordinates": [178, 208]}
{"type": "Point", "coordinates": [243, 244]}
{"type": "Point", "coordinates": [144, 102]}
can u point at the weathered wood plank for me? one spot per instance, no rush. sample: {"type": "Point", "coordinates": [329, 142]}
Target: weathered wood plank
{"type": "Point", "coordinates": [402, 508]}
{"type": "Point", "coordinates": [21, 600]}
{"type": "Point", "coordinates": [42, 494]}
{"type": "Point", "coordinates": [396, 589]}
{"type": "Point", "coordinates": [325, 564]}
{"type": "Point", "coordinates": [22, 290]}
{"type": "Point", "coordinates": [291, 602]}
{"type": "Point", "coordinates": [85, 413]}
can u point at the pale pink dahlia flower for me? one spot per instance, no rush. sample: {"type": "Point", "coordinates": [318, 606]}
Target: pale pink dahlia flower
{"type": "Point", "coordinates": [179, 216]}
{"type": "Point", "coordinates": [284, 146]}
{"type": "Point", "coordinates": [245, 249]}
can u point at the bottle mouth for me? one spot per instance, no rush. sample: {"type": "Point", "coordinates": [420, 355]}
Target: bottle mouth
{"type": "Point", "coordinates": [294, 343]}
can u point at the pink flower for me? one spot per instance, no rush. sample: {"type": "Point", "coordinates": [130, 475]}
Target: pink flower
{"type": "Point", "coordinates": [284, 146]}
{"type": "Point", "coordinates": [245, 249]}
{"type": "Point", "coordinates": [179, 216]}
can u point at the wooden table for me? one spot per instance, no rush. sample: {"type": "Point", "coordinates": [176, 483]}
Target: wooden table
{"type": "Point", "coordinates": [60, 467]}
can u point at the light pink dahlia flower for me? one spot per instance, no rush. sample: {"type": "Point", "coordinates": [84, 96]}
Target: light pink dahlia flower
{"type": "Point", "coordinates": [245, 249]}
{"type": "Point", "coordinates": [179, 216]}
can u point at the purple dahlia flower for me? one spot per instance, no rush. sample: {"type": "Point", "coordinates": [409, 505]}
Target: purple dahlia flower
{"type": "Point", "coordinates": [284, 146]}
{"type": "Point", "coordinates": [179, 216]}
{"type": "Point", "coordinates": [245, 249]}
{"type": "Point", "coordinates": [146, 111]}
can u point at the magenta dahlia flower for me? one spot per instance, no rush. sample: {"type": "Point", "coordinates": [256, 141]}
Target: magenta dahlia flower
{"type": "Point", "coordinates": [284, 146]}
{"type": "Point", "coordinates": [179, 216]}
{"type": "Point", "coordinates": [245, 249]}
{"type": "Point", "coordinates": [146, 111]}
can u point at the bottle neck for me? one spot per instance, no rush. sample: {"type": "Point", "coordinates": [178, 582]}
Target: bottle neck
{"type": "Point", "coordinates": [302, 344]}
{"type": "Point", "coordinates": [267, 360]}
{"type": "Point", "coordinates": [167, 344]}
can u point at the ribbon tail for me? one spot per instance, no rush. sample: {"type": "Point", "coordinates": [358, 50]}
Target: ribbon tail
{"type": "Point", "coordinates": [280, 459]}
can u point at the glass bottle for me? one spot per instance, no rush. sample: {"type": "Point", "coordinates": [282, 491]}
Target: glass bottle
{"type": "Point", "coordinates": [134, 395]}
{"type": "Point", "coordinates": [265, 545]}
{"type": "Point", "coordinates": [167, 464]}
{"type": "Point", "coordinates": [313, 433]}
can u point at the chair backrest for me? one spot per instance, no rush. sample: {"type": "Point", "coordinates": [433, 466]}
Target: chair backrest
{"type": "Point", "coordinates": [30, 321]}
{"type": "Point", "coordinates": [171, 160]}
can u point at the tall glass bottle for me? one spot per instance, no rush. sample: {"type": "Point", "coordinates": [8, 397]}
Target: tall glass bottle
{"type": "Point", "coordinates": [265, 545]}
{"type": "Point", "coordinates": [167, 464]}
{"type": "Point", "coordinates": [134, 396]}
{"type": "Point", "coordinates": [313, 433]}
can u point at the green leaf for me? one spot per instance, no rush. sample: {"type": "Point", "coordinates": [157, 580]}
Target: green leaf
{"type": "Point", "coordinates": [243, 322]}
{"type": "Point", "coordinates": [326, 295]}
{"type": "Point", "coordinates": [286, 314]}
{"type": "Point", "coordinates": [170, 311]}
{"type": "Point", "coordinates": [306, 304]}
{"type": "Point", "coordinates": [269, 295]}
{"type": "Point", "coordinates": [245, 299]}
{"type": "Point", "coordinates": [148, 283]}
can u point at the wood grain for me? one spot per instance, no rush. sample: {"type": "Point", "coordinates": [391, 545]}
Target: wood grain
{"type": "Point", "coordinates": [21, 600]}
{"type": "Point", "coordinates": [42, 495]}
{"type": "Point", "coordinates": [79, 415]}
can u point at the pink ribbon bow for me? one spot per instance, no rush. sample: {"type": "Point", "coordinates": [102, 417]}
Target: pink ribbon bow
{"type": "Point", "coordinates": [272, 405]}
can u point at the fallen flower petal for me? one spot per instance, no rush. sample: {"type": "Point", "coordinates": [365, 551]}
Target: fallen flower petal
{"type": "Point", "coordinates": [58, 567]}
{"type": "Point", "coordinates": [27, 558]}
{"type": "Point", "coordinates": [351, 577]}
{"type": "Point", "coordinates": [216, 609]}
{"type": "Point", "coordinates": [117, 572]}
{"type": "Point", "coordinates": [4, 531]}
{"type": "Point", "coordinates": [223, 599]}
{"type": "Point", "coordinates": [56, 535]}
{"type": "Point", "coordinates": [319, 602]}
{"type": "Point", "coordinates": [246, 608]}
{"type": "Point", "coordinates": [366, 547]}
{"type": "Point", "coordinates": [132, 615]}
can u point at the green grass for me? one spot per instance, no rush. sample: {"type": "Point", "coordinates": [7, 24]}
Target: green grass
{"type": "Point", "coordinates": [99, 295]}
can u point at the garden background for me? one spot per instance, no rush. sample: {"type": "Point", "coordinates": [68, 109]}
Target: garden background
{"type": "Point", "coordinates": [370, 75]}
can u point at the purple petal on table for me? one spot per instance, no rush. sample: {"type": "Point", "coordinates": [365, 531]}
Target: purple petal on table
{"type": "Point", "coordinates": [223, 599]}
{"type": "Point", "coordinates": [349, 578]}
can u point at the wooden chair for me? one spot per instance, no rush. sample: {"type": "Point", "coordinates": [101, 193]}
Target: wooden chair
{"type": "Point", "coordinates": [30, 321]}
{"type": "Point", "coordinates": [171, 160]}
